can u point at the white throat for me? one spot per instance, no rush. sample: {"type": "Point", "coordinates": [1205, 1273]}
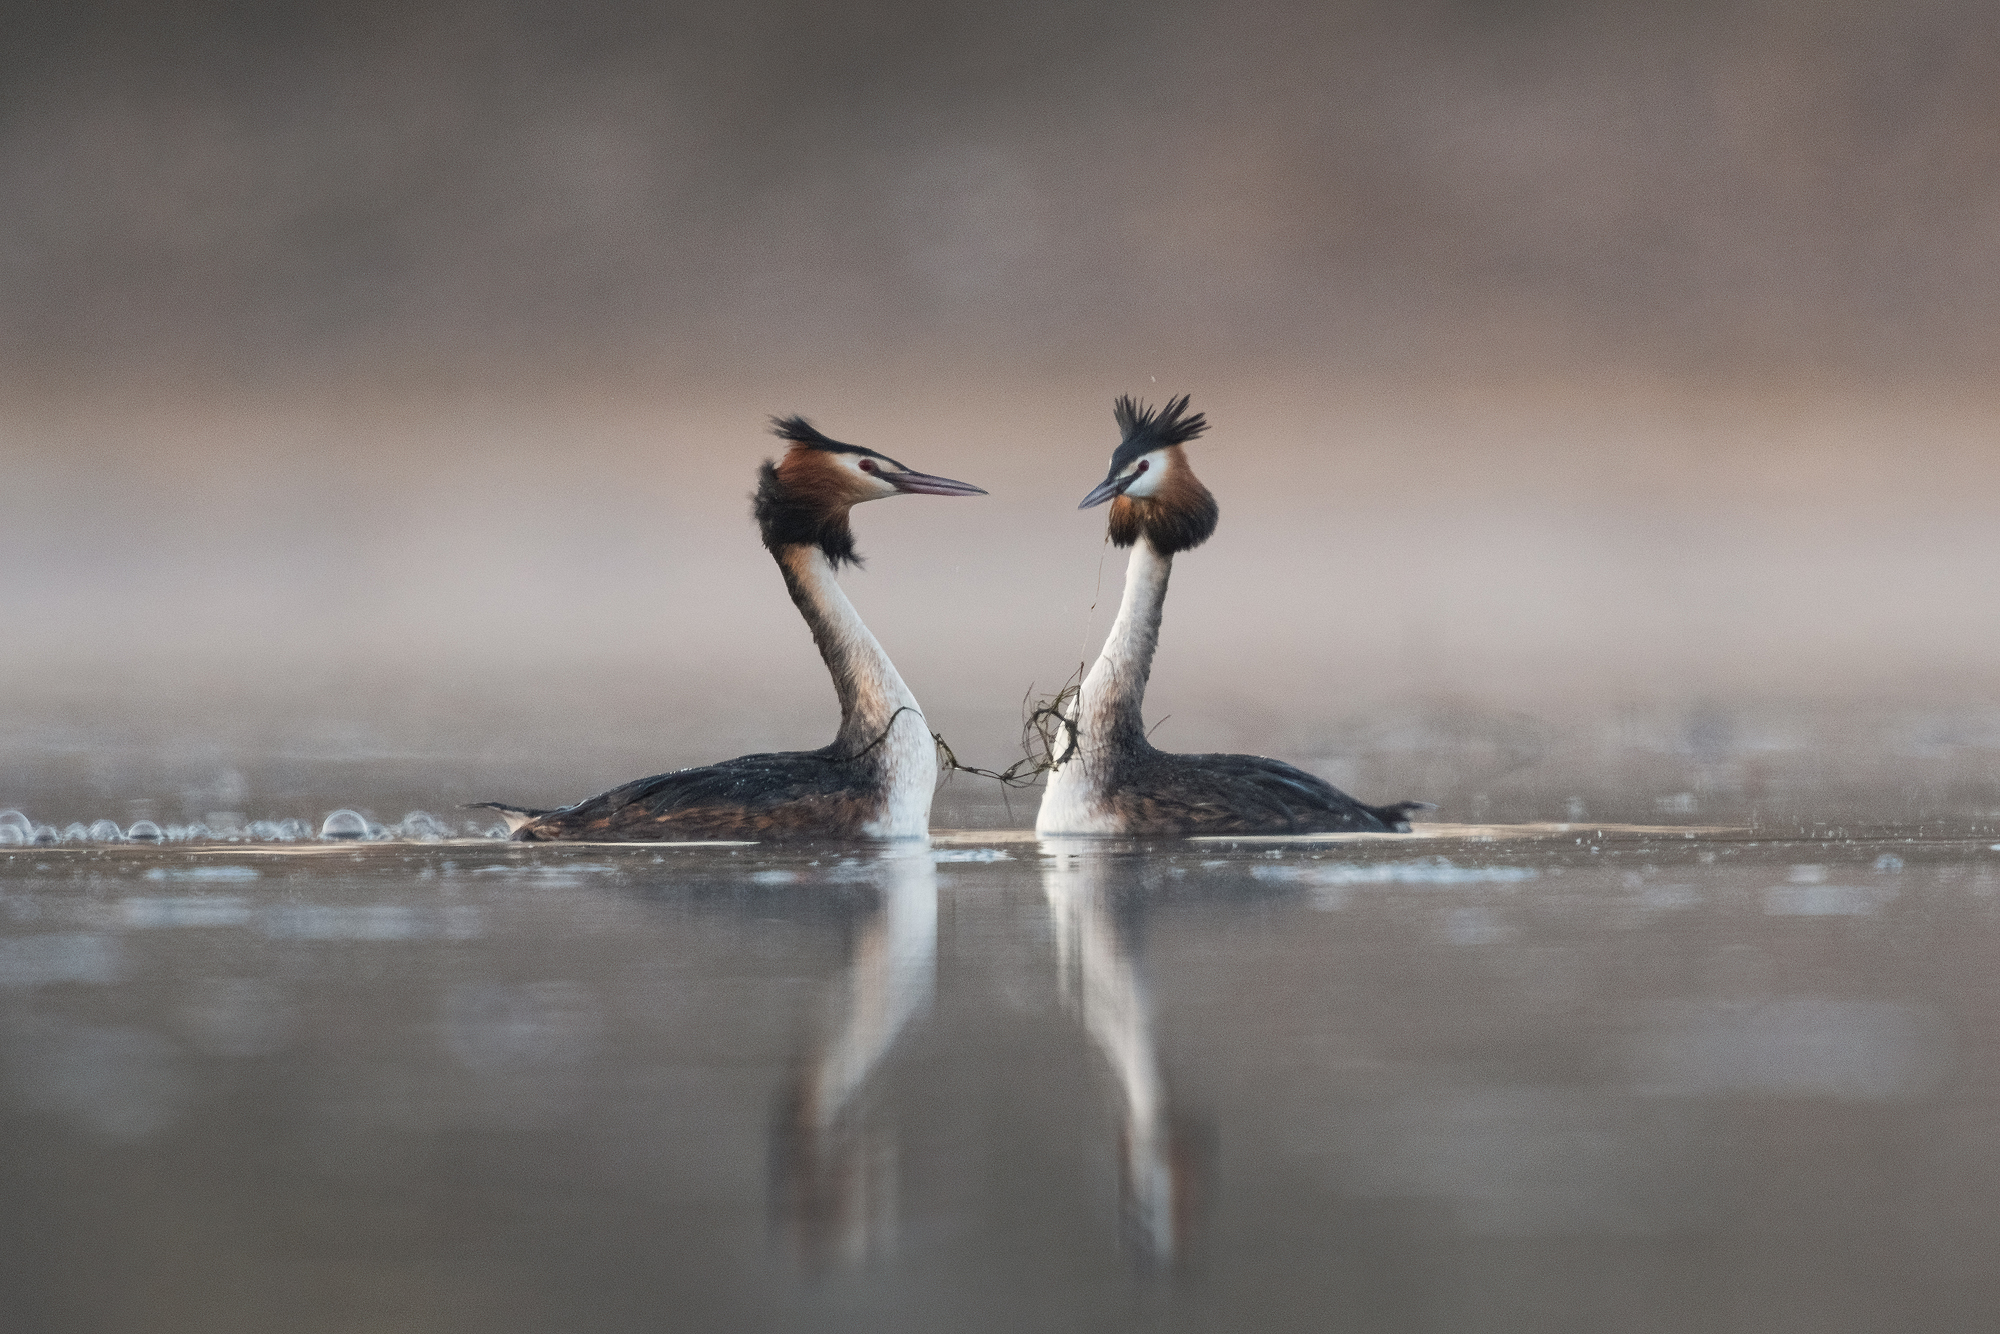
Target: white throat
{"type": "Point", "coordinates": [1108, 706]}
{"type": "Point", "coordinates": [878, 714]}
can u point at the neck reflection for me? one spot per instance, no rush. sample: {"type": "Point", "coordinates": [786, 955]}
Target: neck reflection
{"type": "Point", "coordinates": [833, 1170]}
{"type": "Point", "coordinates": [1159, 1161]}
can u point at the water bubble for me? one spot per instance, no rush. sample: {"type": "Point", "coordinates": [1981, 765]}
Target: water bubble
{"type": "Point", "coordinates": [1888, 861]}
{"type": "Point", "coordinates": [13, 836]}
{"type": "Point", "coordinates": [190, 833]}
{"type": "Point", "coordinates": [144, 831]}
{"type": "Point", "coordinates": [46, 834]}
{"type": "Point", "coordinates": [292, 830]}
{"type": "Point", "coordinates": [75, 833]}
{"type": "Point", "coordinates": [106, 831]}
{"type": "Point", "coordinates": [344, 825]}
{"type": "Point", "coordinates": [423, 827]}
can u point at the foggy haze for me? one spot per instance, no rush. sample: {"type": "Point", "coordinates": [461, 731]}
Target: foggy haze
{"type": "Point", "coordinates": [654, 191]}
{"type": "Point", "coordinates": [399, 374]}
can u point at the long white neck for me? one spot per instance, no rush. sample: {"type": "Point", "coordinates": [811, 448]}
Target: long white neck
{"type": "Point", "coordinates": [1113, 693]}
{"type": "Point", "coordinates": [878, 714]}
{"type": "Point", "coordinates": [1108, 708]}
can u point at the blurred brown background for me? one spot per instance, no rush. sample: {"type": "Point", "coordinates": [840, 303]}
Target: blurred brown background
{"type": "Point", "coordinates": [1602, 394]}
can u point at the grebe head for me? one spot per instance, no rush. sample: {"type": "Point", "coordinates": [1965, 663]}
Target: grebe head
{"type": "Point", "coordinates": [803, 498]}
{"type": "Point", "coordinates": [1153, 492]}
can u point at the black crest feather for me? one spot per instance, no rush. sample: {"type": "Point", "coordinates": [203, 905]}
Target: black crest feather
{"type": "Point", "coordinates": [787, 519]}
{"type": "Point", "coordinates": [1145, 430]}
{"type": "Point", "coordinates": [798, 431]}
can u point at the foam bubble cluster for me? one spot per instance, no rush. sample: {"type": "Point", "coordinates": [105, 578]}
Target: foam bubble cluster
{"type": "Point", "coordinates": [344, 825]}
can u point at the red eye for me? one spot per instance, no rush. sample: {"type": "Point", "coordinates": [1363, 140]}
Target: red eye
{"type": "Point", "coordinates": [868, 465]}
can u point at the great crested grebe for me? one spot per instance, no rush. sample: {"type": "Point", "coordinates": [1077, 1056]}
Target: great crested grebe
{"type": "Point", "coordinates": [876, 779]}
{"type": "Point", "coordinates": [1108, 778]}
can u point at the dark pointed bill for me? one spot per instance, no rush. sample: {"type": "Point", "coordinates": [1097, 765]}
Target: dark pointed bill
{"type": "Point", "coordinates": [1108, 489]}
{"type": "Point", "coordinates": [923, 484]}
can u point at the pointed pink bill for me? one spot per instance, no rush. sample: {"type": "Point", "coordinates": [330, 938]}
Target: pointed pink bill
{"type": "Point", "coordinates": [1108, 489]}
{"type": "Point", "coordinates": [923, 484]}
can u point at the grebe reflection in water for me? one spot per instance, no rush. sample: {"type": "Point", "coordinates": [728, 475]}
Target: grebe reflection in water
{"type": "Point", "coordinates": [1108, 778]}
{"type": "Point", "coordinates": [876, 779]}
{"type": "Point", "coordinates": [1165, 1157]}
{"type": "Point", "coordinates": [833, 1164]}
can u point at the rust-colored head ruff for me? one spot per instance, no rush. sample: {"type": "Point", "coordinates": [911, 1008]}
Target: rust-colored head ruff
{"type": "Point", "coordinates": [803, 499]}
{"type": "Point", "coordinates": [1179, 516]}
{"type": "Point", "coordinates": [1157, 495]}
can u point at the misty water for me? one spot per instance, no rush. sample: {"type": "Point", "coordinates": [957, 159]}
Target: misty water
{"type": "Point", "coordinates": [1529, 1077]}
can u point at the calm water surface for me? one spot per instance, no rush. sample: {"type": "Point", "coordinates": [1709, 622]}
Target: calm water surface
{"type": "Point", "coordinates": [1558, 1079]}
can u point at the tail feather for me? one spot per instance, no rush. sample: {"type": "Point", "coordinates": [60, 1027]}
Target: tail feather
{"type": "Point", "coordinates": [1397, 814]}
{"type": "Point", "coordinates": [515, 816]}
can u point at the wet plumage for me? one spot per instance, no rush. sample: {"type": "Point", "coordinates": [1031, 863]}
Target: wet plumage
{"type": "Point", "coordinates": [1155, 792]}
{"type": "Point", "coordinates": [785, 794]}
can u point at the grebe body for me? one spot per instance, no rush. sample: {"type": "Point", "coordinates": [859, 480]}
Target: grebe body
{"type": "Point", "coordinates": [1109, 779]}
{"type": "Point", "coordinates": [875, 780]}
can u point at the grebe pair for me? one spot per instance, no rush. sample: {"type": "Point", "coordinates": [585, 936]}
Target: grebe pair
{"type": "Point", "coordinates": [876, 779]}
